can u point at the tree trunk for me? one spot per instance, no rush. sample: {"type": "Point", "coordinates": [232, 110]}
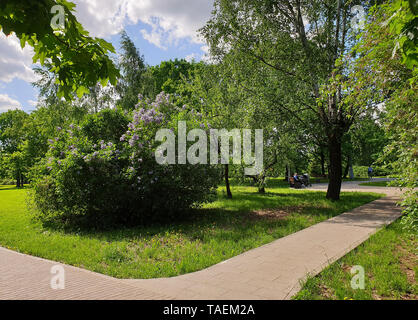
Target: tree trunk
{"type": "Point", "coordinates": [228, 188]}
{"type": "Point", "coordinates": [261, 188]}
{"type": "Point", "coordinates": [347, 167]}
{"type": "Point", "coordinates": [287, 174]}
{"type": "Point", "coordinates": [335, 167]}
{"type": "Point", "coordinates": [322, 163]}
{"type": "Point", "coordinates": [18, 182]}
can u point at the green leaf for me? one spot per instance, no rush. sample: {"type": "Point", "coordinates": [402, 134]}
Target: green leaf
{"type": "Point", "coordinates": [81, 91]}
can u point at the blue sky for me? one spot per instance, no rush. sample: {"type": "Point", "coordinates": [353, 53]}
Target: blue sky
{"type": "Point", "coordinates": [160, 29]}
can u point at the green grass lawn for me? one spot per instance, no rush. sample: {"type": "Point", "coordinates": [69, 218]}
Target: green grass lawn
{"type": "Point", "coordinates": [389, 259]}
{"type": "Point", "coordinates": [326, 180]}
{"type": "Point", "coordinates": [218, 231]}
{"type": "Point", "coordinates": [280, 181]}
{"type": "Point", "coordinates": [376, 184]}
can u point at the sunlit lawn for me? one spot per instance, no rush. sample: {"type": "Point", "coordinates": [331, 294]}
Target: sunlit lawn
{"type": "Point", "coordinates": [389, 259]}
{"type": "Point", "coordinates": [376, 184]}
{"type": "Point", "coordinates": [218, 231]}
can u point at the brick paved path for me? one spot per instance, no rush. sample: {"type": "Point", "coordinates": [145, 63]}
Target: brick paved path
{"type": "Point", "coordinates": [273, 271]}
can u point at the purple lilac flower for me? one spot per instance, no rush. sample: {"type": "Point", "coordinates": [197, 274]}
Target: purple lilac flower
{"type": "Point", "coordinates": [122, 138]}
{"type": "Point", "coordinates": [72, 126]}
{"type": "Point", "coordinates": [59, 128]}
{"type": "Point", "coordinates": [146, 118]}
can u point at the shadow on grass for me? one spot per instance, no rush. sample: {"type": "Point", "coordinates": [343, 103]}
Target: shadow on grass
{"type": "Point", "coordinates": [239, 218]}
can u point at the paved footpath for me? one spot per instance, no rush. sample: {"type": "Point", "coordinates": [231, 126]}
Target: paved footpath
{"type": "Point", "coordinates": [273, 271]}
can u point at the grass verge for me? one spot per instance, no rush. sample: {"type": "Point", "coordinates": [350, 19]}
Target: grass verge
{"type": "Point", "coordinates": [376, 184]}
{"type": "Point", "coordinates": [389, 259]}
{"type": "Point", "coordinates": [219, 231]}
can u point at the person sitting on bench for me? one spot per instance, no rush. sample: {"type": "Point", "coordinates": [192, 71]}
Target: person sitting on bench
{"type": "Point", "coordinates": [295, 182]}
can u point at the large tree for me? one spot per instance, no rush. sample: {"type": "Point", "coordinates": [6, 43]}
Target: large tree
{"type": "Point", "coordinates": [12, 135]}
{"type": "Point", "coordinates": [300, 43]}
{"type": "Point", "coordinates": [132, 67]}
{"type": "Point", "coordinates": [385, 71]}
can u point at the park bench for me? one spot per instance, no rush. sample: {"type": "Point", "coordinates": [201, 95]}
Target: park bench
{"type": "Point", "coordinates": [294, 184]}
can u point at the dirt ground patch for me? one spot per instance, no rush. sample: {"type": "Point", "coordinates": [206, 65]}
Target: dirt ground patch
{"type": "Point", "coordinates": [271, 214]}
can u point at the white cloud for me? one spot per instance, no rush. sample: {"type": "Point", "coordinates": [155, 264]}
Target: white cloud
{"type": "Point", "coordinates": [7, 103]}
{"type": "Point", "coordinates": [156, 36]}
{"type": "Point", "coordinates": [33, 103]}
{"type": "Point", "coordinates": [170, 20]}
{"type": "Point", "coordinates": [102, 18]}
{"type": "Point", "coordinates": [206, 57]}
{"type": "Point", "coordinates": [15, 62]}
{"type": "Point", "coordinates": [178, 19]}
{"type": "Point", "coordinates": [191, 57]}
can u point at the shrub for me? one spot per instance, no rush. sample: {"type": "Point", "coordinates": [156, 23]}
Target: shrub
{"type": "Point", "coordinates": [361, 171]}
{"type": "Point", "coordinates": [7, 181]}
{"type": "Point", "coordinates": [314, 168]}
{"type": "Point", "coordinates": [107, 183]}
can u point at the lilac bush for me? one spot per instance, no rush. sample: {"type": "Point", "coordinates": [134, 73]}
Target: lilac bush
{"type": "Point", "coordinates": [101, 183]}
